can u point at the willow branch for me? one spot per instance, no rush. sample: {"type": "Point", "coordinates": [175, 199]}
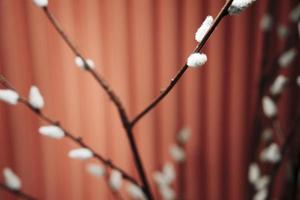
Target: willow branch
{"type": "Point", "coordinates": [180, 73]}
{"type": "Point", "coordinates": [102, 82]}
{"type": "Point", "coordinates": [69, 135]}
{"type": "Point", "coordinates": [126, 123]}
{"type": "Point", "coordinates": [265, 77]}
{"type": "Point", "coordinates": [114, 98]}
{"type": "Point", "coordinates": [17, 193]}
{"type": "Point", "coordinates": [284, 150]}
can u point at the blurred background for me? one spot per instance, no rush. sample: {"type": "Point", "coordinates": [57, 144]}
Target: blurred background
{"type": "Point", "coordinates": [138, 46]}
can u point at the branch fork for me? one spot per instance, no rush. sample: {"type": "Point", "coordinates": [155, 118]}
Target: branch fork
{"type": "Point", "coordinates": [126, 122]}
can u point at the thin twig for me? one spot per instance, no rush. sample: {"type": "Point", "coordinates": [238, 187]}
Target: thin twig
{"type": "Point", "coordinates": [69, 135]}
{"type": "Point", "coordinates": [115, 100]}
{"type": "Point", "coordinates": [18, 193]}
{"type": "Point", "coordinates": [179, 74]}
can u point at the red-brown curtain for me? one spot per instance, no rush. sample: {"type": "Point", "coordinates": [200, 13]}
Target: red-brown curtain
{"type": "Point", "coordinates": [137, 45]}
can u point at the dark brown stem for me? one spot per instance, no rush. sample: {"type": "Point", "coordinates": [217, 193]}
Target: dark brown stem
{"type": "Point", "coordinates": [72, 137]}
{"type": "Point", "coordinates": [112, 95]}
{"type": "Point", "coordinates": [61, 32]}
{"type": "Point", "coordinates": [114, 98]}
{"type": "Point", "coordinates": [18, 193]}
{"type": "Point", "coordinates": [179, 74]}
{"type": "Point", "coordinates": [146, 187]}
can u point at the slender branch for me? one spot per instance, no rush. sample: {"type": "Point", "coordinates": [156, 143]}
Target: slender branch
{"type": "Point", "coordinates": [284, 150]}
{"type": "Point", "coordinates": [266, 76]}
{"type": "Point", "coordinates": [123, 116]}
{"type": "Point", "coordinates": [138, 161]}
{"type": "Point", "coordinates": [69, 135]}
{"type": "Point", "coordinates": [112, 95]}
{"type": "Point", "coordinates": [18, 193]}
{"type": "Point", "coordinates": [125, 121]}
{"type": "Point", "coordinates": [179, 74]}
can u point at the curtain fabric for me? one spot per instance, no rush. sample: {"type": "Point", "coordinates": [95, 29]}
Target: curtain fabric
{"type": "Point", "coordinates": [138, 46]}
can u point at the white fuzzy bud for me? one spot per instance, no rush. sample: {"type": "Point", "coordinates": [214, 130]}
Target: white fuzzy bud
{"type": "Point", "coordinates": [12, 181]}
{"type": "Point", "coordinates": [80, 153]}
{"type": "Point", "coordinates": [82, 65]}
{"type": "Point", "coordinates": [298, 81]}
{"type": "Point", "coordinates": [266, 22]}
{"type": "Point", "coordinates": [184, 135]}
{"type": "Point", "coordinates": [41, 3]}
{"type": "Point", "coordinates": [196, 60]}
{"type": "Point", "coordinates": [160, 178]}
{"type": "Point", "coordinates": [52, 131]}
{"type": "Point", "coordinates": [282, 31]}
{"type": "Point", "coordinates": [261, 195]}
{"type": "Point", "coordinates": [278, 85]}
{"type": "Point", "coordinates": [295, 14]}
{"type": "Point", "coordinates": [169, 172]}
{"type": "Point", "coordinates": [269, 107]}
{"type": "Point", "coordinates": [95, 170]}
{"type": "Point", "coordinates": [90, 63]}
{"type": "Point", "coordinates": [79, 62]}
{"type": "Point", "coordinates": [202, 30]}
{"type": "Point", "coordinates": [287, 58]}
{"type": "Point", "coordinates": [35, 98]}
{"type": "Point", "coordinates": [177, 153]}
{"type": "Point", "coordinates": [135, 192]}
{"type": "Point", "coordinates": [115, 180]}
{"type": "Point", "coordinates": [167, 193]}
{"type": "Point", "coordinates": [253, 173]}
{"type": "Point", "coordinates": [271, 154]}
{"type": "Point", "coordinates": [238, 6]}
{"type": "Point", "coordinates": [262, 182]}
{"type": "Point", "coordinates": [9, 96]}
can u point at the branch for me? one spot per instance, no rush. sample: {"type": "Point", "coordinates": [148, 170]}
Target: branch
{"type": "Point", "coordinates": [123, 116]}
{"type": "Point", "coordinates": [125, 121]}
{"type": "Point", "coordinates": [102, 82]}
{"type": "Point", "coordinates": [180, 73]}
{"type": "Point", "coordinates": [290, 138]}
{"type": "Point", "coordinates": [69, 135]}
{"type": "Point", "coordinates": [18, 193]}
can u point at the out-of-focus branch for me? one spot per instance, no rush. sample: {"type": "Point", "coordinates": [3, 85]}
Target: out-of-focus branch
{"type": "Point", "coordinates": [223, 12]}
{"type": "Point", "coordinates": [270, 68]}
{"type": "Point", "coordinates": [17, 193]}
{"type": "Point", "coordinates": [262, 81]}
{"type": "Point", "coordinates": [69, 135]}
{"type": "Point", "coordinates": [284, 150]}
{"type": "Point", "coordinates": [278, 130]}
